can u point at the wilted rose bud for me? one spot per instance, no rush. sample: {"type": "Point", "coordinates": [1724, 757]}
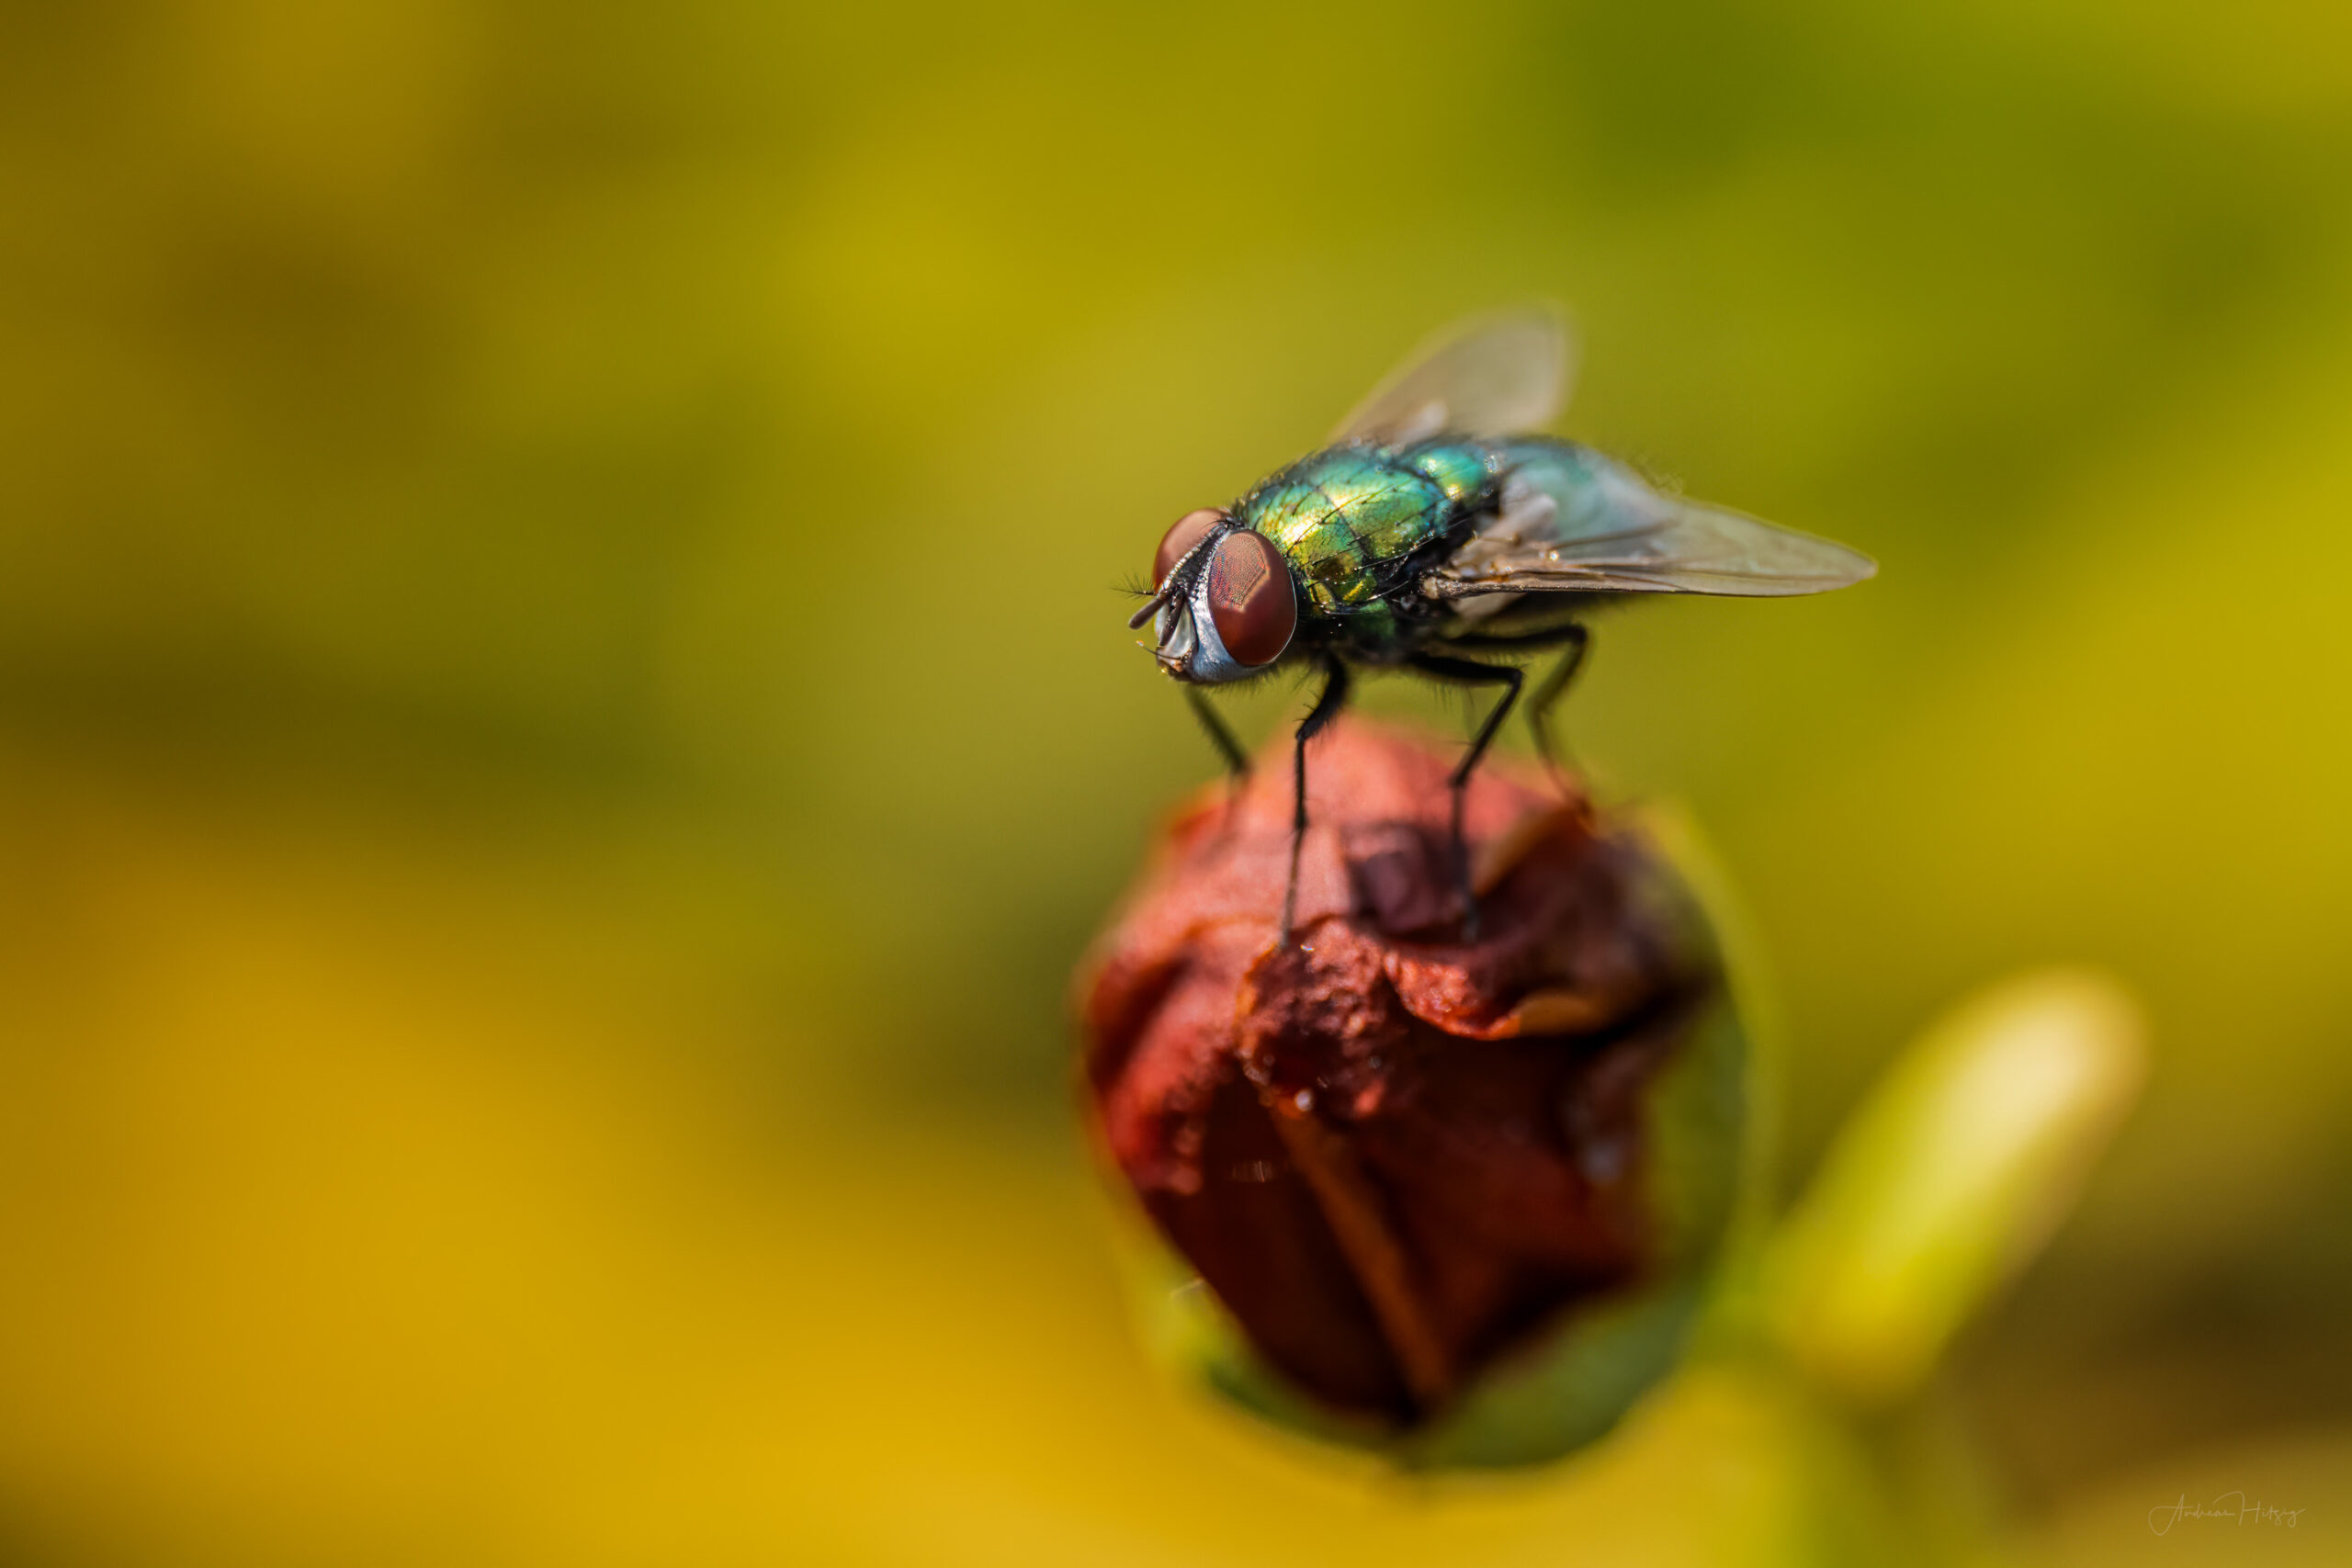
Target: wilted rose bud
{"type": "Point", "coordinates": [1451, 1198]}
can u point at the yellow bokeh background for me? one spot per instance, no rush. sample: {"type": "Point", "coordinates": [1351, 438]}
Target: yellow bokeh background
{"type": "Point", "coordinates": [564, 721]}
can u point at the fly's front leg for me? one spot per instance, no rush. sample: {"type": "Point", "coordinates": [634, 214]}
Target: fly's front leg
{"type": "Point", "coordinates": [1539, 706]}
{"type": "Point", "coordinates": [1326, 708]}
{"type": "Point", "coordinates": [1469, 672]}
{"type": "Point", "coordinates": [1237, 762]}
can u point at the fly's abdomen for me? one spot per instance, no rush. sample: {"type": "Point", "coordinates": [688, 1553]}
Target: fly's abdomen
{"type": "Point", "coordinates": [1464, 469]}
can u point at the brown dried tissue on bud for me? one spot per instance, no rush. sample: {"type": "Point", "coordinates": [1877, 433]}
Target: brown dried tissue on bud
{"type": "Point", "coordinates": [1391, 1154]}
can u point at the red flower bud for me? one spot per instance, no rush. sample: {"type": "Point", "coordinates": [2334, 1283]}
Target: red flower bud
{"type": "Point", "coordinates": [1409, 1168]}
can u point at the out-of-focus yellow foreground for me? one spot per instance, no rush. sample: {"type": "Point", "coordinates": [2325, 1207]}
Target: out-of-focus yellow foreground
{"type": "Point", "coordinates": [563, 721]}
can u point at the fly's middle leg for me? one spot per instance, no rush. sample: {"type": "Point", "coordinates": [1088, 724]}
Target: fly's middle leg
{"type": "Point", "coordinates": [1575, 640]}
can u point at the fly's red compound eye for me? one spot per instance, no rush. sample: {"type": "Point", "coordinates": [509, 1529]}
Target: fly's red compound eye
{"type": "Point", "coordinates": [1178, 542]}
{"type": "Point", "coordinates": [1251, 598]}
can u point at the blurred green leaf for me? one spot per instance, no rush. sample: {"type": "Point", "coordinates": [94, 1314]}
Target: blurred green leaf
{"type": "Point", "coordinates": [1949, 1177]}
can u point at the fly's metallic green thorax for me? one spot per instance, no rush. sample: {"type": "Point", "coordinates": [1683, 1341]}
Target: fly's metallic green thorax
{"type": "Point", "coordinates": [1355, 522]}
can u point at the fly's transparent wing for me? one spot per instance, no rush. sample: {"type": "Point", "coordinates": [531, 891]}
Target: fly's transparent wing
{"type": "Point", "coordinates": [1491, 376]}
{"type": "Point", "coordinates": [1573, 521]}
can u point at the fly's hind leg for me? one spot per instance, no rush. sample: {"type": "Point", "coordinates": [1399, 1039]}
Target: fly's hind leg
{"type": "Point", "coordinates": [1470, 671]}
{"type": "Point", "coordinates": [1326, 708]}
{"type": "Point", "coordinates": [1578, 642]}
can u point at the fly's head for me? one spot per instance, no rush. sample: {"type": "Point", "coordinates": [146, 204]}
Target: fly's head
{"type": "Point", "coordinates": [1223, 606]}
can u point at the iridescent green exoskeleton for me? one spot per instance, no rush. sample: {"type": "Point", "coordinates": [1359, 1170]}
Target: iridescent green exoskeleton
{"type": "Point", "coordinates": [1433, 527]}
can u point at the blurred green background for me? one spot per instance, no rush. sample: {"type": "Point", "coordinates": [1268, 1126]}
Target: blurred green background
{"type": "Point", "coordinates": [563, 721]}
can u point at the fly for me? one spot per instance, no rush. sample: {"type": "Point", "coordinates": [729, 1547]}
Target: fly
{"type": "Point", "coordinates": [1433, 527]}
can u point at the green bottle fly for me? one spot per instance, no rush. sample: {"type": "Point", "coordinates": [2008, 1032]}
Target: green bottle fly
{"type": "Point", "coordinates": [1435, 527]}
